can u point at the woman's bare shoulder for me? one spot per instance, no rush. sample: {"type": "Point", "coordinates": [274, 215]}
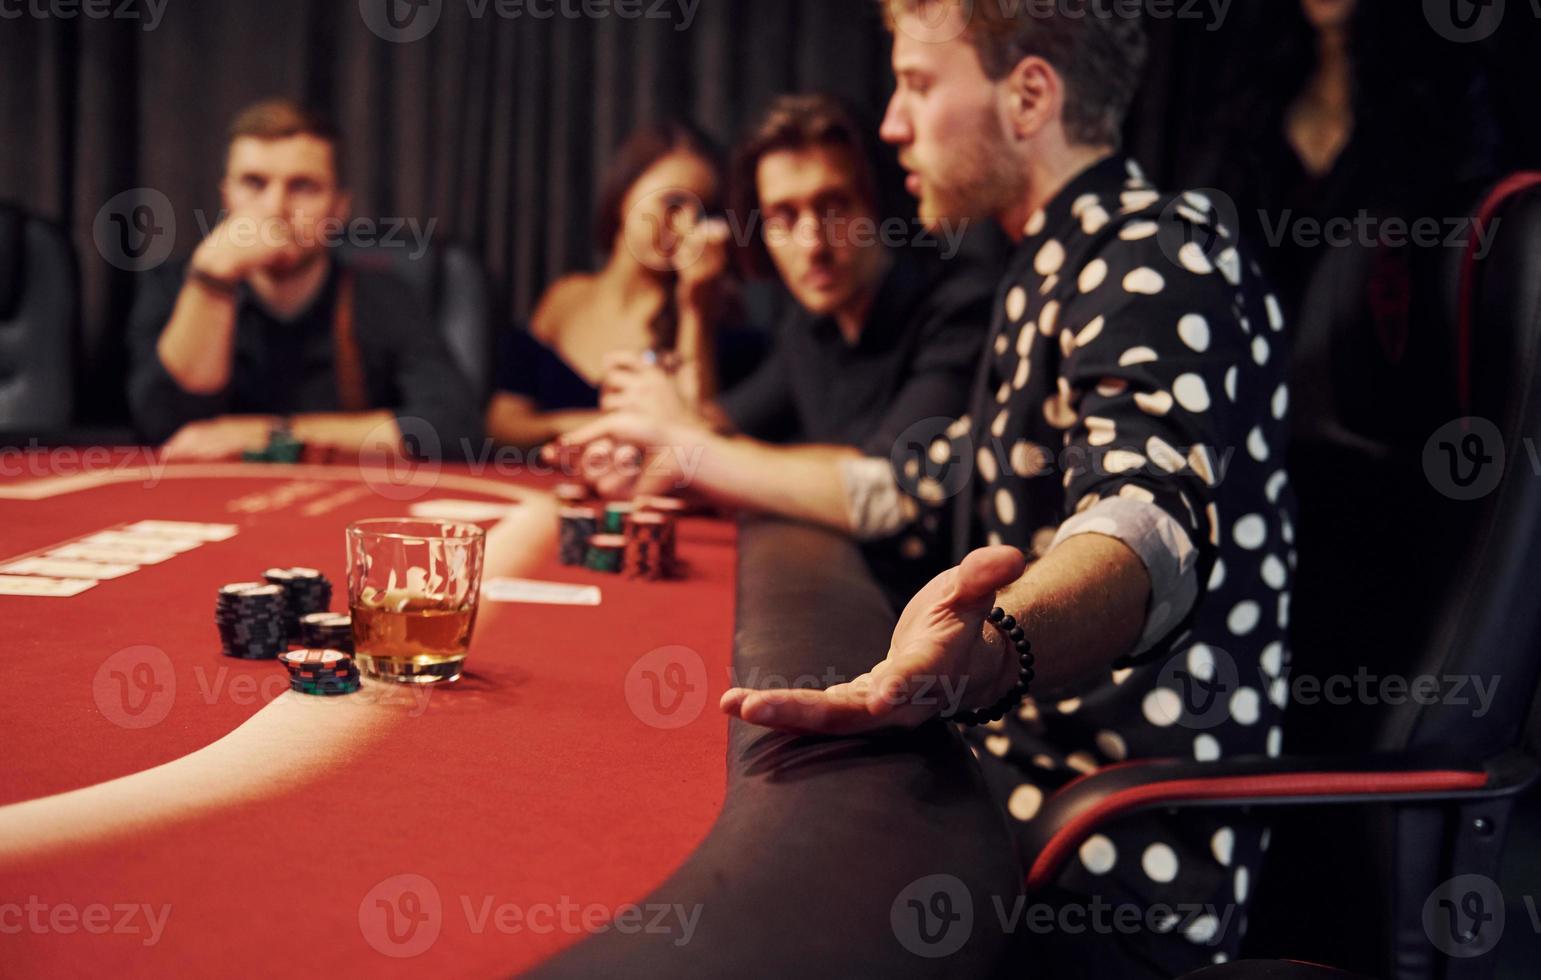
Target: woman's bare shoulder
{"type": "Point", "coordinates": [560, 300]}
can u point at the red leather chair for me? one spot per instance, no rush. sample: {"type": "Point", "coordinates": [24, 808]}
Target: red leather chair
{"type": "Point", "coordinates": [1381, 810]}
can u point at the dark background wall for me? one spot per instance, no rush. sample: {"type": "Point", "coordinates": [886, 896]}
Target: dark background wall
{"type": "Point", "coordinates": [494, 129]}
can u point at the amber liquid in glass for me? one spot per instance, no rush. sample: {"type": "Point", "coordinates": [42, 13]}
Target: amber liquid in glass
{"type": "Point", "coordinates": [410, 638]}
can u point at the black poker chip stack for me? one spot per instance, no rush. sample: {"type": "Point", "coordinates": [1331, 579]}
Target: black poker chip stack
{"type": "Point", "coordinates": [251, 620]}
{"type": "Point", "coordinates": [327, 631]}
{"type": "Point", "coordinates": [305, 591]}
{"type": "Point", "coordinates": [325, 673]}
{"type": "Point", "coordinates": [579, 524]}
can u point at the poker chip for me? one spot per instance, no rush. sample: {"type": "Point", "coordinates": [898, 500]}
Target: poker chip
{"type": "Point", "coordinates": [327, 631]}
{"type": "Point", "coordinates": [617, 512]}
{"type": "Point", "coordinates": [321, 672]}
{"type": "Point", "coordinates": [572, 493]}
{"type": "Point", "coordinates": [306, 591]}
{"type": "Point", "coordinates": [650, 546]}
{"type": "Point", "coordinates": [607, 553]}
{"type": "Point", "coordinates": [250, 617]}
{"type": "Point", "coordinates": [578, 525]}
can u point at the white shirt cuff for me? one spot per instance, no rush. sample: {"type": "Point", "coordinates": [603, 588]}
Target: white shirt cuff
{"type": "Point", "coordinates": [1162, 545]}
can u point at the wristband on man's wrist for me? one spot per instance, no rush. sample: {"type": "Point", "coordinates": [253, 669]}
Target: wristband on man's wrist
{"type": "Point", "coordinates": [1017, 640]}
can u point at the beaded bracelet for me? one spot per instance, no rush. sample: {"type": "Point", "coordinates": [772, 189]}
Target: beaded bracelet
{"type": "Point", "coordinates": [1013, 632]}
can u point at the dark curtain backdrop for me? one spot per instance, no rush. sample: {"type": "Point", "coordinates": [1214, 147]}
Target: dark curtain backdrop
{"type": "Point", "coordinates": [495, 129]}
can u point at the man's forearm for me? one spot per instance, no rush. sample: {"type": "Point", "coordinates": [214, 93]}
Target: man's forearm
{"type": "Point", "coordinates": [353, 431]}
{"type": "Point", "coordinates": [801, 482]}
{"type": "Point", "coordinates": [196, 343]}
{"type": "Point", "coordinates": [1082, 606]}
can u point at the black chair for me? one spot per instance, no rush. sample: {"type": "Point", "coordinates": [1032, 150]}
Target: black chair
{"type": "Point", "coordinates": [1380, 808]}
{"type": "Point", "coordinates": [39, 310]}
{"type": "Point", "coordinates": [452, 285]}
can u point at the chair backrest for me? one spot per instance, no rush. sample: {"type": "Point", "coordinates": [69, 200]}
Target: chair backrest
{"type": "Point", "coordinates": [39, 304]}
{"type": "Point", "coordinates": [1486, 624]}
{"type": "Point", "coordinates": [453, 287]}
{"type": "Point", "coordinates": [1416, 560]}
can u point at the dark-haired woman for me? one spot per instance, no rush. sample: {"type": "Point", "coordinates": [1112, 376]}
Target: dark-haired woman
{"type": "Point", "coordinates": [661, 289]}
{"type": "Point", "coordinates": [1343, 107]}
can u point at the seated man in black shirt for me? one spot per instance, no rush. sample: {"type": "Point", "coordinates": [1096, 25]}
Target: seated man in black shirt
{"type": "Point", "coordinates": [266, 329]}
{"type": "Point", "coordinates": [884, 338]}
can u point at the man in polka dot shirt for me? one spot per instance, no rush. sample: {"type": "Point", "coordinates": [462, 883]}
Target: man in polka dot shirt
{"type": "Point", "coordinates": [1120, 474]}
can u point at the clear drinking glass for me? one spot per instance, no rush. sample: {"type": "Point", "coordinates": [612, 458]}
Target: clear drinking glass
{"type": "Point", "coordinates": [413, 587]}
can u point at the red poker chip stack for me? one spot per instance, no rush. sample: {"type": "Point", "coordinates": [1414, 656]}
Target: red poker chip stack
{"type": "Point", "coordinates": [327, 673]}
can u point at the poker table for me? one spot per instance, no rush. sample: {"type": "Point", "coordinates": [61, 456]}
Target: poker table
{"type": "Point", "coordinates": [575, 805]}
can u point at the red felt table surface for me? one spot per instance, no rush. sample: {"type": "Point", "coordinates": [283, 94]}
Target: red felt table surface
{"type": "Point", "coordinates": [537, 794]}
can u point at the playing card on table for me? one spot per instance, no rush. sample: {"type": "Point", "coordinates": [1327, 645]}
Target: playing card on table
{"type": "Point", "coordinates": [183, 529]}
{"type": "Point", "coordinates": [67, 568]}
{"type": "Point", "coordinates": [110, 554]}
{"type": "Point", "coordinates": [547, 593]}
{"type": "Point", "coordinates": [144, 542]}
{"type": "Point", "coordinates": [461, 510]}
{"type": "Point", "coordinates": [31, 585]}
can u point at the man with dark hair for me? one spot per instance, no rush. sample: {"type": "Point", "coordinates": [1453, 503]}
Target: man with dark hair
{"type": "Point", "coordinates": [883, 337]}
{"type": "Point", "coordinates": [265, 330]}
{"type": "Point", "coordinates": [1125, 438]}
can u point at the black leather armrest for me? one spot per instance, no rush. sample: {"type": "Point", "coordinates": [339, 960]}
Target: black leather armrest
{"type": "Point", "coordinates": [820, 839]}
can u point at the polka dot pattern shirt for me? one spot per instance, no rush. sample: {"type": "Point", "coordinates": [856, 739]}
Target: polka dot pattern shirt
{"type": "Point", "coordinates": [1133, 386]}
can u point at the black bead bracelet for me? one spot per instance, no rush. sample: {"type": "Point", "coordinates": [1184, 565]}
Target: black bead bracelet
{"type": "Point", "coordinates": [995, 712]}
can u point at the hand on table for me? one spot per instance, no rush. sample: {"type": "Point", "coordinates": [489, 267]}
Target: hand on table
{"type": "Point", "coordinates": [625, 454]}
{"type": "Point", "coordinates": [226, 437]}
{"type": "Point", "coordinates": [937, 646]}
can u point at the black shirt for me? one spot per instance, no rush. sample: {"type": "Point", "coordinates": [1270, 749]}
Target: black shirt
{"type": "Point", "coordinates": [530, 369]}
{"type": "Point", "coordinates": [914, 361]}
{"type": "Point", "coordinates": [286, 367]}
{"type": "Point", "coordinates": [915, 358]}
